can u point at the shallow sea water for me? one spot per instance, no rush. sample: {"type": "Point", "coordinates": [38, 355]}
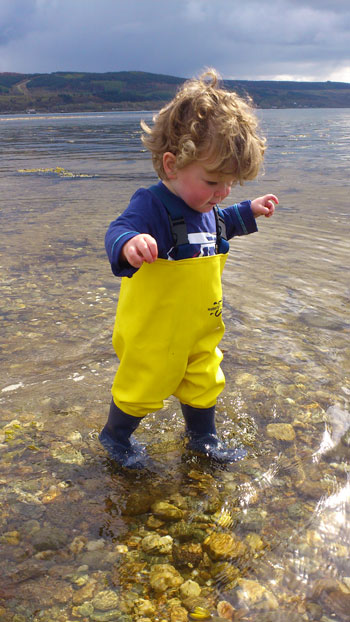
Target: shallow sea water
{"type": "Point", "coordinates": [270, 536]}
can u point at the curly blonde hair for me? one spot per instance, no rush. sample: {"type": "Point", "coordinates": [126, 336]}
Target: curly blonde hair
{"type": "Point", "coordinates": [206, 123]}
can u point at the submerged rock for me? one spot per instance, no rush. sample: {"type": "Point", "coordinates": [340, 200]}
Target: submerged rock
{"type": "Point", "coordinates": [167, 511]}
{"type": "Point", "coordinates": [281, 431]}
{"type": "Point", "coordinates": [252, 519]}
{"type": "Point", "coordinates": [144, 607]}
{"type": "Point", "coordinates": [225, 610]}
{"type": "Point", "coordinates": [164, 576]}
{"type": "Point", "coordinates": [333, 596]}
{"type": "Point", "coordinates": [224, 574]}
{"type": "Point", "coordinates": [189, 589]}
{"type": "Point", "coordinates": [251, 593]}
{"type": "Point", "coordinates": [135, 504]}
{"type": "Point", "coordinates": [84, 610]}
{"type": "Point", "coordinates": [84, 593]}
{"type": "Point", "coordinates": [254, 542]}
{"type": "Point", "coordinates": [95, 545]}
{"type": "Point", "coordinates": [187, 531]}
{"type": "Point", "coordinates": [345, 439]}
{"type": "Point", "coordinates": [178, 614]}
{"type": "Point", "coordinates": [187, 554]}
{"type": "Point", "coordinates": [105, 600]}
{"type": "Point", "coordinates": [49, 539]}
{"type": "Point", "coordinates": [157, 544]}
{"type": "Point", "coordinates": [223, 546]}
{"type": "Point", "coordinates": [68, 455]}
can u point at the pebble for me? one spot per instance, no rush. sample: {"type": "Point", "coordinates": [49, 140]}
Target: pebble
{"type": "Point", "coordinates": [254, 542]}
{"type": "Point", "coordinates": [157, 544]}
{"type": "Point", "coordinates": [189, 589]}
{"type": "Point", "coordinates": [251, 593]}
{"type": "Point", "coordinates": [68, 455]}
{"type": "Point", "coordinates": [178, 614]}
{"type": "Point", "coordinates": [225, 610]}
{"type": "Point", "coordinates": [281, 431]}
{"type": "Point", "coordinates": [77, 545]}
{"type": "Point", "coordinates": [105, 600]}
{"type": "Point", "coordinates": [188, 554]}
{"type": "Point", "coordinates": [187, 531]}
{"type": "Point", "coordinates": [85, 593]}
{"type": "Point", "coordinates": [144, 607]}
{"type": "Point", "coordinates": [49, 538]}
{"type": "Point", "coordinates": [252, 519]}
{"type": "Point", "coordinates": [135, 503]}
{"type": "Point", "coordinates": [223, 546]}
{"type": "Point", "coordinates": [164, 576]}
{"type": "Point", "coordinates": [11, 537]}
{"type": "Point", "coordinates": [245, 378]}
{"type": "Point", "coordinates": [167, 511]}
{"type": "Point", "coordinates": [83, 611]}
{"type": "Point", "coordinates": [95, 545]}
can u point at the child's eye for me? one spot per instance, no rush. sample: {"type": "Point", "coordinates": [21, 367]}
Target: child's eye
{"type": "Point", "coordinates": [211, 183]}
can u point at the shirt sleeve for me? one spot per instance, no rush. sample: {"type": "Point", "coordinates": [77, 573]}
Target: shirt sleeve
{"type": "Point", "coordinates": [145, 214]}
{"type": "Point", "coordinates": [239, 219]}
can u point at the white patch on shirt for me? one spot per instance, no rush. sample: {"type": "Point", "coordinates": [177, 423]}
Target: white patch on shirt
{"type": "Point", "coordinates": [204, 239]}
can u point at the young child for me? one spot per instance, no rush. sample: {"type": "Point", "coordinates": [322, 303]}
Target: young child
{"type": "Point", "coordinates": [170, 247]}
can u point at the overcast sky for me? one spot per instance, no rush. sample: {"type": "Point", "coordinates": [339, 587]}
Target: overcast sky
{"type": "Point", "coordinates": [243, 39]}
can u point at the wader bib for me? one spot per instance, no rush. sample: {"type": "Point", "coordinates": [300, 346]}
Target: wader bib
{"type": "Point", "coordinates": [166, 335]}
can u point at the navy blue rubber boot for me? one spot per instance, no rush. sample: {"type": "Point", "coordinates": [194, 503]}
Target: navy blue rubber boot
{"type": "Point", "coordinates": [202, 437]}
{"type": "Point", "coordinates": [115, 438]}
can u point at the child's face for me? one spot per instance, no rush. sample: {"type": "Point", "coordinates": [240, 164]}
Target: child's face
{"type": "Point", "coordinates": [200, 189]}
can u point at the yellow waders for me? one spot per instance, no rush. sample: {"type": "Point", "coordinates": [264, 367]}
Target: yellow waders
{"type": "Point", "coordinates": [167, 329]}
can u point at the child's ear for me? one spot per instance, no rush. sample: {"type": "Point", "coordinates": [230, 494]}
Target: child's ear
{"type": "Point", "coordinates": [169, 165]}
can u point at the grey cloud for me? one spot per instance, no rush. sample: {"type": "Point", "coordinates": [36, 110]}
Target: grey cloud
{"type": "Point", "coordinates": [253, 40]}
{"type": "Point", "coordinates": [15, 16]}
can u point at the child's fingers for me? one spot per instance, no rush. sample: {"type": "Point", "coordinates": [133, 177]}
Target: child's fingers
{"type": "Point", "coordinates": [268, 198]}
{"type": "Point", "coordinates": [270, 203]}
{"type": "Point", "coordinates": [147, 248]}
{"type": "Point", "coordinates": [271, 207]}
{"type": "Point", "coordinates": [152, 247]}
{"type": "Point", "coordinates": [141, 248]}
{"type": "Point", "coordinates": [133, 257]}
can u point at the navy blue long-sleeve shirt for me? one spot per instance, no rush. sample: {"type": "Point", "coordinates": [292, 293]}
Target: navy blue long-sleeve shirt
{"type": "Point", "coordinates": [147, 214]}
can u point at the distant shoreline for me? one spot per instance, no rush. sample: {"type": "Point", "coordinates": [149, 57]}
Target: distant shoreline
{"type": "Point", "coordinates": [38, 114]}
{"type": "Point", "coordinates": [74, 92]}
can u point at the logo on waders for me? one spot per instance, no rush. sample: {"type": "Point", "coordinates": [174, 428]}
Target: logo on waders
{"type": "Point", "coordinates": [216, 309]}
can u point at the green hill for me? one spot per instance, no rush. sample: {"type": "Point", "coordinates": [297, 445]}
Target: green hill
{"type": "Point", "coordinates": [137, 90]}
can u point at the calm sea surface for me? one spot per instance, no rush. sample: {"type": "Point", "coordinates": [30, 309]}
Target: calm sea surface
{"type": "Point", "coordinates": [268, 537]}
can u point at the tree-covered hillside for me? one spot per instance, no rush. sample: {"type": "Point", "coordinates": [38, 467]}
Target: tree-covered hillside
{"type": "Point", "coordinates": [136, 90]}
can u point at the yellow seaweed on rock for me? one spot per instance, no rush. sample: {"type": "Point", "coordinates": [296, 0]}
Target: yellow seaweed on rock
{"type": "Point", "coordinates": [199, 613]}
{"type": "Point", "coordinates": [223, 518]}
{"type": "Point", "coordinates": [58, 170]}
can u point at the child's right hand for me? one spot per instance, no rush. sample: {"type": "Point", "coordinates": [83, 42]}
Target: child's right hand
{"type": "Point", "coordinates": [138, 249]}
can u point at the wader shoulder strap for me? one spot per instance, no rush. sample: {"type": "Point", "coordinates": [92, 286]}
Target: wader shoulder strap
{"type": "Point", "coordinates": [222, 245]}
{"type": "Point", "coordinates": [177, 223]}
{"type": "Point", "coordinates": [220, 224]}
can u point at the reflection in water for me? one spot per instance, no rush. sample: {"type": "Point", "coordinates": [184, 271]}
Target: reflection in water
{"type": "Point", "coordinates": [336, 434]}
{"type": "Point", "coordinates": [264, 540]}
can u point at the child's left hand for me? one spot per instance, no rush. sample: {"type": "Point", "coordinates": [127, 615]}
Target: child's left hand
{"type": "Point", "coordinates": [264, 206]}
